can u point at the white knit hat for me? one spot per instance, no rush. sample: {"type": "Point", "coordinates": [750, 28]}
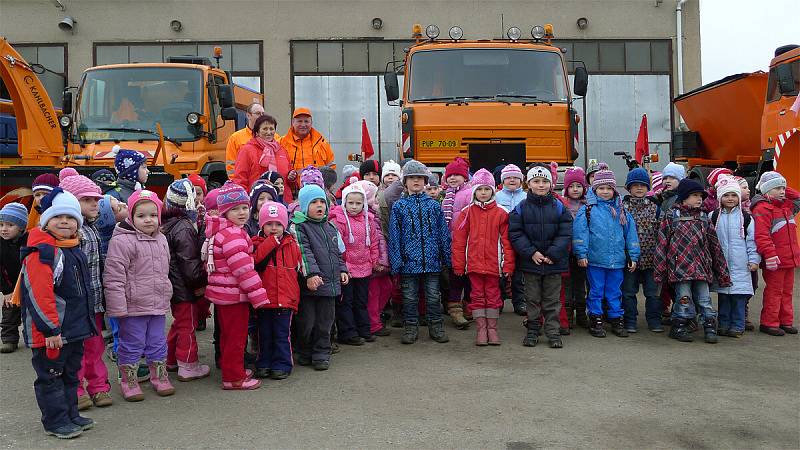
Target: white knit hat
{"type": "Point", "coordinates": [391, 167]}
{"type": "Point", "coordinates": [355, 188]}
{"type": "Point", "coordinates": [539, 172]}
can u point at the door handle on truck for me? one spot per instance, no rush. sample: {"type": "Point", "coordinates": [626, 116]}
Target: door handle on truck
{"type": "Point", "coordinates": [783, 112]}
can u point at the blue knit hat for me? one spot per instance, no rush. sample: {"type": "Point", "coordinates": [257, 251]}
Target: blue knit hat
{"type": "Point", "coordinates": [258, 189]}
{"type": "Point", "coordinates": [308, 194]}
{"type": "Point", "coordinates": [127, 163]}
{"type": "Point", "coordinates": [59, 202]}
{"type": "Point", "coordinates": [15, 213]}
{"type": "Point", "coordinates": [688, 187]}
{"type": "Point", "coordinates": [637, 175]}
{"type": "Point", "coordinates": [106, 219]}
{"type": "Point", "coordinates": [674, 170]}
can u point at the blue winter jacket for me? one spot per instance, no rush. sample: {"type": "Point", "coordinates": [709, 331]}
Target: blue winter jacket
{"type": "Point", "coordinates": [419, 241]}
{"type": "Point", "coordinates": [604, 240]}
{"type": "Point", "coordinates": [508, 199]}
{"type": "Point", "coordinates": [541, 223]}
{"type": "Point", "coordinates": [738, 250]}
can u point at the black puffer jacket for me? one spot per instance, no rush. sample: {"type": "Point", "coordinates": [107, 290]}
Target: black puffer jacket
{"type": "Point", "coordinates": [186, 271]}
{"type": "Point", "coordinates": [543, 224]}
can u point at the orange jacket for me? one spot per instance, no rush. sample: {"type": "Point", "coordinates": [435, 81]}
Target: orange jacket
{"type": "Point", "coordinates": [480, 241]}
{"type": "Point", "coordinates": [314, 149]}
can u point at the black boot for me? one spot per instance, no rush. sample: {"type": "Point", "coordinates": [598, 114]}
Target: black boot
{"type": "Point", "coordinates": [532, 338]}
{"type": "Point", "coordinates": [679, 331]}
{"type": "Point", "coordinates": [618, 327]}
{"type": "Point", "coordinates": [409, 333]}
{"type": "Point", "coordinates": [436, 331]}
{"type": "Point", "coordinates": [596, 326]}
{"type": "Point", "coordinates": [580, 317]}
{"type": "Point", "coordinates": [710, 328]}
{"type": "Point", "coordinates": [397, 316]}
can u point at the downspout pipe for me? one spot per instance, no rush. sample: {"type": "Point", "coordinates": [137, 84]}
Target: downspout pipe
{"type": "Point", "coordinates": [679, 45]}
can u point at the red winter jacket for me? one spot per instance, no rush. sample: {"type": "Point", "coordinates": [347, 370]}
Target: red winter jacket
{"type": "Point", "coordinates": [278, 263]}
{"type": "Point", "coordinates": [480, 240]}
{"type": "Point", "coordinates": [776, 229]}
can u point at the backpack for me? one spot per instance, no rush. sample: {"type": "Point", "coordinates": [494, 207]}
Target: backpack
{"type": "Point", "coordinates": [747, 218]}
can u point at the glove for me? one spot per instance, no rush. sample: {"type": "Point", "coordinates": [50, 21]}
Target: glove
{"type": "Point", "coordinates": [772, 263]}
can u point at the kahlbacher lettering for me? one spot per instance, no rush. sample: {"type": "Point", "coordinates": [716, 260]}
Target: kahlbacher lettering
{"type": "Point", "coordinates": [36, 96]}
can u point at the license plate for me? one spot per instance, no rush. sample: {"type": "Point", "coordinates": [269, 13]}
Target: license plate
{"type": "Point", "coordinates": [92, 135]}
{"type": "Point", "coordinates": [438, 143]}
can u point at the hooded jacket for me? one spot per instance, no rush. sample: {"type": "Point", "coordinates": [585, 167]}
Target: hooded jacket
{"type": "Point", "coordinates": [186, 270]}
{"type": "Point", "coordinates": [480, 240]}
{"type": "Point", "coordinates": [321, 252]}
{"type": "Point", "coordinates": [688, 249]}
{"type": "Point", "coordinates": [136, 278]}
{"type": "Point", "coordinates": [234, 279]}
{"type": "Point", "coordinates": [508, 199]}
{"type": "Point", "coordinates": [601, 238]}
{"type": "Point", "coordinates": [776, 229]}
{"type": "Point", "coordinates": [739, 251]}
{"type": "Point", "coordinates": [54, 294]}
{"type": "Point", "coordinates": [419, 240]}
{"type": "Point", "coordinates": [278, 262]}
{"type": "Point", "coordinates": [541, 223]}
{"type": "Point", "coordinates": [363, 253]}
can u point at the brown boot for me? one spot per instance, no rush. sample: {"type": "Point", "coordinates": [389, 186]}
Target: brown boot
{"type": "Point", "coordinates": [456, 312]}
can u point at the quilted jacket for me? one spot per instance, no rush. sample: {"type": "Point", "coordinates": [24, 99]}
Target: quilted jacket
{"type": "Point", "coordinates": [541, 223]}
{"type": "Point", "coordinates": [277, 262]}
{"type": "Point", "coordinates": [480, 241]}
{"type": "Point", "coordinates": [598, 235]}
{"type": "Point", "coordinates": [776, 230]}
{"type": "Point", "coordinates": [419, 241]}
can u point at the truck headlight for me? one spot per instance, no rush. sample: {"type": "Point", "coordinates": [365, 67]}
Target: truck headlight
{"type": "Point", "coordinates": [193, 118]}
{"type": "Point", "coordinates": [538, 32]}
{"type": "Point", "coordinates": [456, 33]}
{"type": "Point", "coordinates": [65, 121]}
{"type": "Point", "coordinates": [514, 33]}
{"type": "Point", "coordinates": [432, 31]}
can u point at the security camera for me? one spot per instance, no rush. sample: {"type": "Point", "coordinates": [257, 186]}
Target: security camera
{"type": "Point", "coordinates": [67, 23]}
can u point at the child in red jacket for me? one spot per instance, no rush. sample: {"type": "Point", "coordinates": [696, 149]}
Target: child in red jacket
{"type": "Point", "coordinates": [277, 260]}
{"type": "Point", "coordinates": [482, 251]}
{"type": "Point", "coordinates": [776, 240]}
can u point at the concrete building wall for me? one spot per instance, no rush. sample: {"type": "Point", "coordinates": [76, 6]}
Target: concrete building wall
{"type": "Point", "coordinates": [278, 22]}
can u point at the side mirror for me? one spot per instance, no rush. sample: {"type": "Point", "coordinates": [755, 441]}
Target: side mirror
{"type": "Point", "coordinates": [581, 81]}
{"type": "Point", "coordinates": [785, 79]}
{"type": "Point", "coordinates": [391, 85]}
{"type": "Point", "coordinates": [66, 103]}
{"type": "Point", "coordinates": [225, 94]}
{"type": "Point", "coordinates": [228, 113]}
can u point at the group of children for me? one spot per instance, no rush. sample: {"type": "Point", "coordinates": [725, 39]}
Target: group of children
{"type": "Point", "coordinates": [105, 253]}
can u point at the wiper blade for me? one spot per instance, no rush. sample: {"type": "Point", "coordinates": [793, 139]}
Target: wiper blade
{"type": "Point", "coordinates": [531, 97]}
{"type": "Point", "coordinates": [141, 130]}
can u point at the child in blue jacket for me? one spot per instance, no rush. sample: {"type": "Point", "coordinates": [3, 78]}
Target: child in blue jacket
{"type": "Point", "coordinates": [419, 249]}
{"type": "Point", "coordinates": [605, 241]}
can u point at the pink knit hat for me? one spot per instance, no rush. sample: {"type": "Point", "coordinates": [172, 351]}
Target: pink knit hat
{"type": "Point", "coordinates": [574, 175]}
{"type": "Point", "coordinates": [511, 170]}
{"type": "Point", "coordinates": [210, 200]}
{"type": "Point", "coordinates": [482, 178]}
{"type": "Point", "coordinates": [230, 196]}
{"type": "Point", "coordinates": [656, 183]}
{"type": "Point", "coordinates": [554, 172]}
{"type": "Point", "coordinates": [604, 176]}
{"type": "Point", "coordinates": [140, 196]}
{"type": "Point", "coordinates": [273, 212]}
{"type": "Point", "coordinates": [78, 185]}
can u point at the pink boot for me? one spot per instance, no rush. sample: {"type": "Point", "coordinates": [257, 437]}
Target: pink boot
{"type": "Point", "coordinates": [247, 384]}
{"type": "Point", "coordinates": [192, 371]}
{"type": "Point", "coordinates": [480, 322]}
{"type": "Point", "coordinates": [160, 379]}
{"type": "Point", "coordinates": [491, 325]}
{"type": "Point", "coordinates": [129, 383]}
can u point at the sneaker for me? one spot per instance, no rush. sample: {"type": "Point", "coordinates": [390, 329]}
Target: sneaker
{"type": "Point", "coordinates": [8, 347]}
{"type": "Point", "coordinates": [84, 402]}
{"type": "Point", "coordinates": [657, 329]}
{"type": "Point", "coordinates": [788, 329]}
{"type": "Point", "coordinates": [322, 365]}
{"type": "Point", "coordinates": [733, 333]}
{"type": "Point", "coordinates": [248, 384]}
{"type": "Point", "coordinates": [383, 332]}
{"type": "Point", "coordinates": [65, 431]}
{"type": "Point", "coordinates": [191, 371]}
{"type": "Point", "coordinates": [354, 340]}
{"type": "Point", "coordinates": [410, 334]}
{"type": "Point", "coordinates": [531, 339]}
{"type": "Point", "coordinates": [436, 331]}
{"type": "Point", "coordinates": [555, 342]}
{"type": "Point", "coordinates": [521, 309]}
{"type": "Point", "coordinates": [278, 375]}
{"type": "Point", "coordinates": [262, 372]}
{"type": "Point", "coordinates": [632, 329]}
{"type": "Point", "coordinates": [101, 400]}
{"type": "Point", "coordinates": [84, 422]}
{"type": "Point", "coordinates": [748, 326]}
{"type": "Point", "coordinates": [772, 331]}
{"type": "Point", "coordinates": [370, 338]}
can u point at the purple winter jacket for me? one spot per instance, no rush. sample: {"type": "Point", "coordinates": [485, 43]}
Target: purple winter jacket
{"type": "Point", "coordinates": [136, 277]}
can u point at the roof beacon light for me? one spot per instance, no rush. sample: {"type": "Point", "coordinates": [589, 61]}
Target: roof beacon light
{"type": "Point", "coordinates": [538, 32]}
{"type": "Point", "coordinates": [456, 33]}
{"type": "Point", "coordinates": [514, 33]}
{"type": "Point", "coordinates": [432, 31]}
{"type": "Point", "coordinates": [548, 30]}
{"type": "Point", "coordinates": [416, 31]}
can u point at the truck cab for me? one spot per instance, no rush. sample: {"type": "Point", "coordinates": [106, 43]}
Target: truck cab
{"type": "Point", "coordinates": [489, 101]}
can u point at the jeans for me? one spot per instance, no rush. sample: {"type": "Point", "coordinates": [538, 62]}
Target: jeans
{"type": "Point", "coordinates": [604, 283]}
{"type": "Point", "coordinates": [56, 384]}
{"type": "Point", "coordinates": [731, 311]}
{"type": "Point", "coordinates": [409, 284]}
{"type": "Point", "coordinates": [687, 293]}
{"type": "Point", "coordinates": [652, 305]}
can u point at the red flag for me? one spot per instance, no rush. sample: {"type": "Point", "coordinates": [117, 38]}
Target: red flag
{"type": "Point", "coordinates": [642, 142]}
{"type": "Point", "coordinates": [366, 141]}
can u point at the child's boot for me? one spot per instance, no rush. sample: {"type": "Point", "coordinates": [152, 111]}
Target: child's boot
{"type": "Point", "coordinates": [710, 328]}
{"type": "Point", "coordinates": [129, 383]}
{"type": "Point", "coordinates": [491, 326]}
{"type": "Point", "coordinates": [456, 311]}
{"type": "Point", "coordinates": [159, 378]}
{"type": "Point", "coordinates": [192, 371]}
{"type": "Point", "coordinates": [481, 332]}
{"type": "Point", "coordinates": [596, 326]}
{"type": "Point", "coordinates": [436, 331]}
{"type": "Point", "coordinates": [618, 327]}
{"type": "Point", "coordinates": [679, 331]}
{"type": "Point", "coordinates": [532, 337]}
{"type": "Point", "coordinates": [410, 333]}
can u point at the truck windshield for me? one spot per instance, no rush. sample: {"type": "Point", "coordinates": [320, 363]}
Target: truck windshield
{"type": "Point", "coordinates": [113, 103]}
{"type": "Point", "coordinates": [487, 74]}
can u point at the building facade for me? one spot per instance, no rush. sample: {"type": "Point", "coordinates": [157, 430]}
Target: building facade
{"type": "Point", "coordinates": [330, 55]}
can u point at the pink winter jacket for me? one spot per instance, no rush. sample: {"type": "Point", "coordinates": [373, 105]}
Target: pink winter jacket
{"type": "Point", "coordinates": [463, 200]}
{"type": "Point", "coordinates": [359, 257]}
{"type": "Point", "coordinates": [383, 247]}
{"type": "Point", "coordinates": [136, 274]}
{"type": "Point", "coordinates": [234, 279]}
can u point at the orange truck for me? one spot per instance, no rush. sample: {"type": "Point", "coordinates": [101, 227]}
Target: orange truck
{"type": "Point", "coordinates": [744, 122]}
{"type": "Point", "coordinates": [489, 101]}
{"type": "Point", "coordinates": [178, 113]}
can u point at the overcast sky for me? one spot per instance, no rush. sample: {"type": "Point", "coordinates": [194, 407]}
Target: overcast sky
{"type": "Point", "coordinates": [741, 36]}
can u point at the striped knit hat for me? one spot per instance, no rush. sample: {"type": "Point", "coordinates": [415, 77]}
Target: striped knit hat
{"type": "Point", "coordinates": [180, 194]}
{"type": "Point", "coordinates": [713, 177]}
{"type": "Point", "coordinates": [44, 182]}
{"type": "Point", "coordinates": [604, 175]}
{"type": "Point", "coordinates": [15, 213]}
{"type": "Point", "coordinates": [312, 175]}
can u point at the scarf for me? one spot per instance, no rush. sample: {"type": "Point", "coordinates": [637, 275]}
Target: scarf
{"type": "Point", "coordinates": [268, 159]}
{"type": "Point", "coordinates": [16, 296]}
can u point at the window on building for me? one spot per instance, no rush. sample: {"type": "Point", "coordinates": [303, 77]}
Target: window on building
{"type": "Point", "coordinates": [243, 59]}
{"type": "Point", "coordinates": [617, 56]}
{"type": "Point", "coordinates": [53, 58]}
{"type": "Point", "coordinates": [350, 57]}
